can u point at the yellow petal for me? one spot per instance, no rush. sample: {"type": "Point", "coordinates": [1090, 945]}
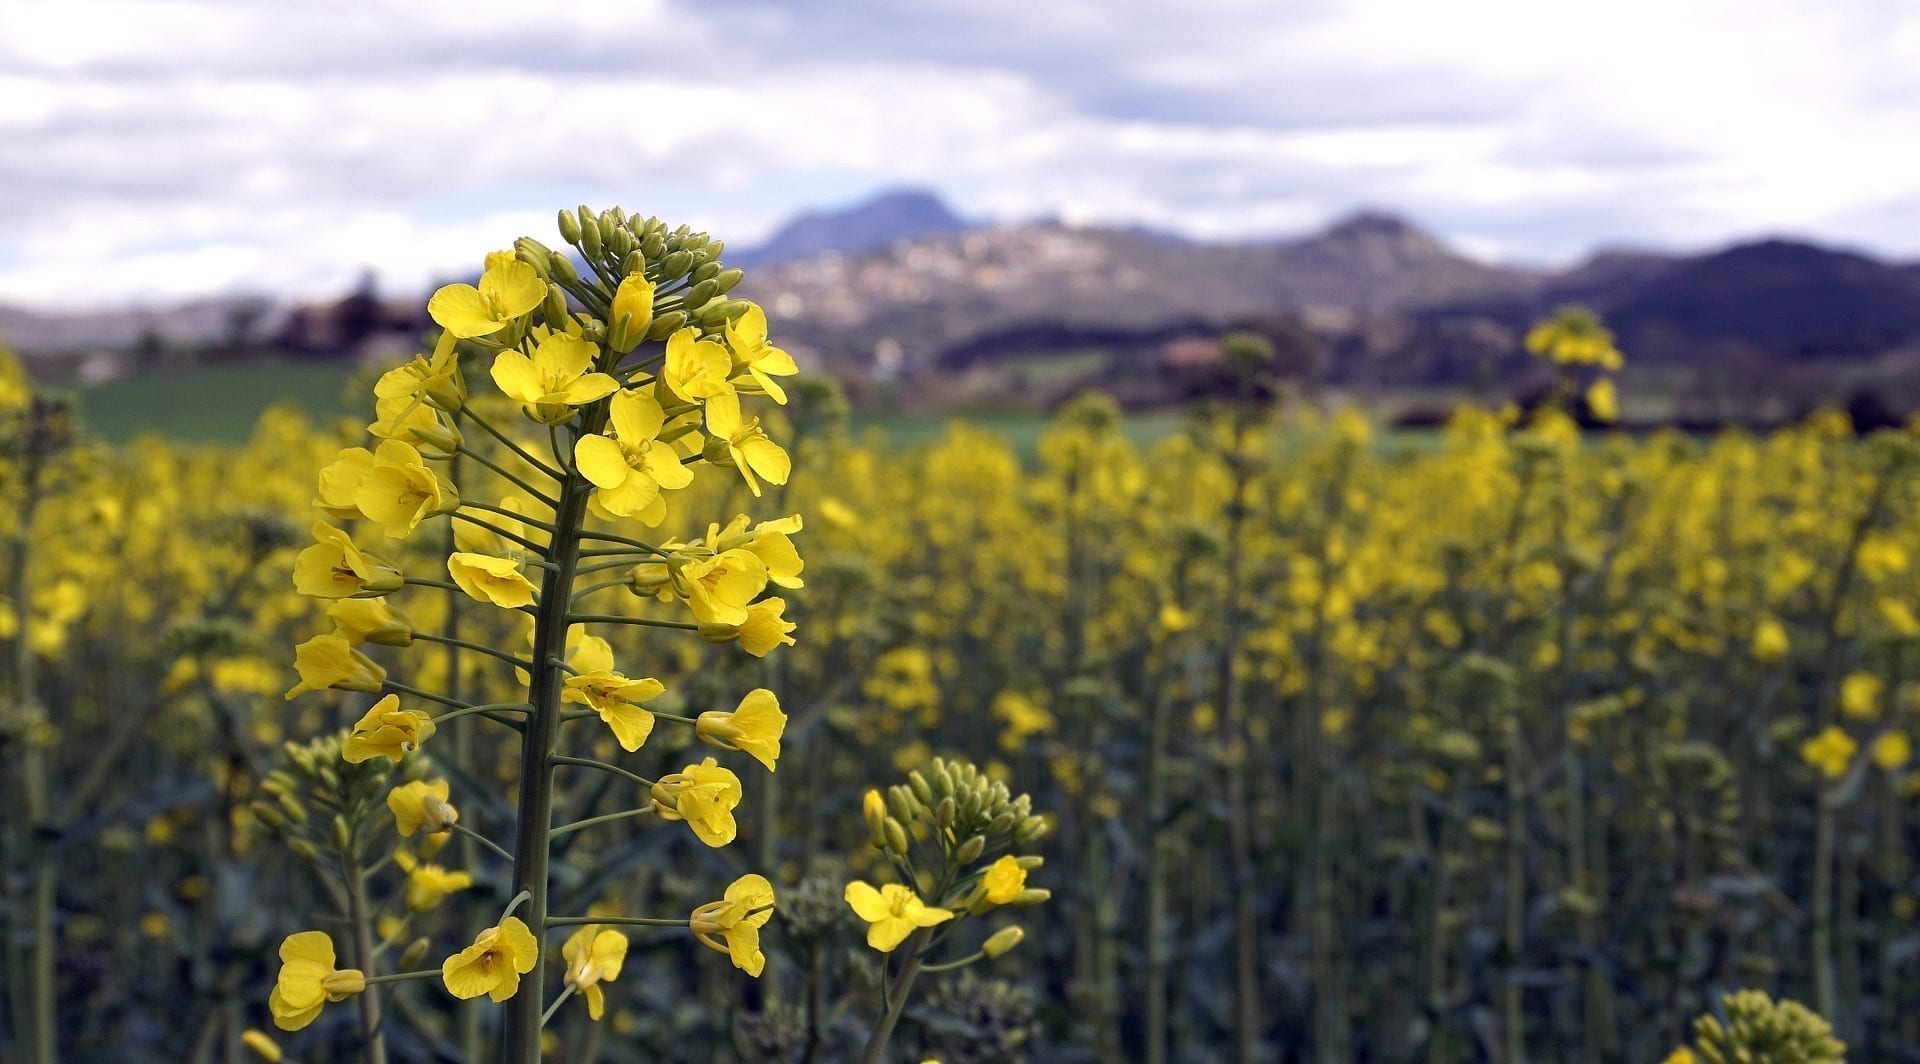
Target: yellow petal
{"type": "Point", "coordinates": [600, 460]}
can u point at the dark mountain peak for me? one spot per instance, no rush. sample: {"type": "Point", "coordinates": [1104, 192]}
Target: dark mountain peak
{"type": "Point", "coordinates": [875, 222]}
{"type": "Point", "coordinates": [1370, 224]}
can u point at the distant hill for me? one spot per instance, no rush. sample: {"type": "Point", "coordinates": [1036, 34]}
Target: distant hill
{"type": "Point", "coordinates": [901, 214]}
{"type": "Point", "coordinates": [901, 285]}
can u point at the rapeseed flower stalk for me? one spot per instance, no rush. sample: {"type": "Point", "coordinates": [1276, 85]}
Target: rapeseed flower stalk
{"type": "Point", "coordinates": [629, 380]}
{"type": "Point", "coordinates": [963, 817]}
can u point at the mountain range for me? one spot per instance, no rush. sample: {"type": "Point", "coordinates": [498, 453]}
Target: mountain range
{"type": "Point", "coordinates": [902, 284]}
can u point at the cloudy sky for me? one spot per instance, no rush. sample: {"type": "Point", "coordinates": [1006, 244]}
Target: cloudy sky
{"type": "Point", "coordinates": [155, 149]}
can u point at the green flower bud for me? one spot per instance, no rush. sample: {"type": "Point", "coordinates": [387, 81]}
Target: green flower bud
{"type": "Point", "coordinates": [555, 308]}
{"type": "Point", "coordinates": [569, 227]}
{"type": "Point", "coordinates": [342, 834]}
{"type": "Point", "coordinates": [970, 850]}
{"type": "Point", "coordinates": [590, 234]}
{"type": "Point", "coordinates": [675, 266]}
{"type": "Point", "coordinates": [1029, 829]}
{"type": "Point", "coordinates": [303, 848]}
{"type": "Point", "coordinates": [1030, 896]}
{"type": "Point", "coordinates": [562, 269]}
{"type": "Point", "coordinates": [1002, 942]}
{"type": "Point", "coordinates": [921, 789]}
{"type": "Point", "coordinates": [943, 814]}
{"type": "Point", "coordinates": [665, 325]}
{"type": "Point", "coordinates": [726, 279]}
{"type": "Point", "coordinates": [896, 837]}
{"type": "Point", "coordinates": [416, 952]}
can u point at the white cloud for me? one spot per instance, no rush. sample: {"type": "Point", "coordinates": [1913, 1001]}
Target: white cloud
{"type": "Point", "coordinates": [166, 148]}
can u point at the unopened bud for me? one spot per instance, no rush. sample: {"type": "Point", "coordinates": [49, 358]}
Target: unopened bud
{"type": "Point", "coordinates": [296, 812]}
{"type": "Point", "coordinates": [1030, 896]}
{"type": "Point", "coordinates": [555, 308]}
{"type": "Point", "coordinates": [921, 789]}
{"type": "Point", "coordinates": [562, 269]}
{"type": "Point", "coordinates": [666, 325]}
{"type": "Point", "coordinates": [675, 265]}
{"type": "Point", "coordinates": [970, 850]}
{"type": "Point", "coordinates": [874, 809]}
{"type": "Point", "coordinates": [1029, 829]}
{"type": "Point", "coordinates": [896, 837]}
{"type": "Point", "coordinates": [342, 835]}
{"type": "Point", "coordinates": [569, 227]}
{"type": "Point", "coordinates": [416, 952]}
{"type": "Point", "coordinates": [726, 279]}
{"type": "Point", "coordinates": [303, 848]}
{"type": "Point", "coordinates": [1001, 942]}
{"type": "Point", "coordinates": [943, 814]}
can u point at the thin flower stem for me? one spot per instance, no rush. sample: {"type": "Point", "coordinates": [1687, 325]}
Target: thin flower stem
{"type": "Point", "coordinates": [484, 841]}
{"type": "Point", "coordinates": [416, 692]}
{"type": "Point", "coordinates": [493, 712]}
{"type": "Point", "coordinates": [424, 973]}
{"type": "Point", "coordinates": [604, 566]}
{"type": "Point", "coordinates": [521, 484]}
{"type": "Point", "coordinates": [475, 647]}
{"type": "Point", "coordinates": [557, 1001]}
{"type": "Point", "coordinates": [608, 552]}
{"type": "Point", "coordinates": [607, 818]}
{"type": "Point", "coordinates": [587, 762]}
{"type": "Point", "coordinates": [610, 537]}
{"type": "Point", "coordinates": [512, 446]}
{"type": "Point", "coordinates": [504, 512]}
{"type": "Point", "coordinates": [415, 581]}
{"type": "Point", "coordinates": [951, 966]}
{"type": "Point", "coordinates": [644, 622]}
{"type": "Point", "coordinates": [601, 586]}
{"type": "Point", "coordinates": [634, 921]}
{"type": "Point", "coordinates": [501, 532]}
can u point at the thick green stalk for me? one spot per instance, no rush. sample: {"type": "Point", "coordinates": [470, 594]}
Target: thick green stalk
{"type": "Point", "coordinates": [535, 813]}
{"type": "Point", "coordinates": [43, 1021]}
{"type": "Point", "coordinates": [876, 1050]}
{"type": "Point", "coordinates": [1158, 846]}
{"type": "Point", "coordinates": [360, 918]}
{"type": "Point", "coordinates": [1246, 972]}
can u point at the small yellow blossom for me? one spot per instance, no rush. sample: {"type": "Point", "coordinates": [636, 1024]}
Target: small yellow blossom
{"type": "Point", "coordinates": [594, 956]}
{"type": "Point", "coordinates": [1892, 751]}
{"type": "Point", "coordinates": [335, 568]}
{"type": "Point", "coordinates": [1831, 752]}
{"type": "Point", "coordinates": [370, 620]}
{"type": "Point", "coordinates": [719, 588]}
{"type": "Point", "coordinates": [695, 370]}
{"type": "Point", "coordinates": [630, 466]}
{"type": "Point", "coordinates": [330, 661]}
{"type": "Point", "coordinates": [703, 795]}
{"type": "Point", "coordinates": [490, 579]}
{"type": "Point", "coordinates": [421, 804]}
{"type": "Point", "coordinates": [1004, 880]}
{"type": "Point", "coordinates": [737, 919]}
{"type": "Point", "coordinates": [308, 980]}
{"type": "Point", "coordinates": [765, 628]}
{"type": "Point", "coordinates": [744, 444]}
{"type": "Point", "coordinates": [1860, 696]}
{"type": "Point", "coordinates": [754, 727]}
{"type": "Point", "coordinates": [893, 911]}
{"type": "Point", "coordinates": [761, 361]}
{"type": "Point", "coordinates": [556, 379]}
{"type": "Point", "coordinates": [509, 289]}
{"type": "Point", "coordinates": [387, 731]}
{"type": "Point", "coordinates": [494, 963]}
{"type": "Point", "coordinates": [615, 698]}
{"type": "Point", "coordinates": [429, 884]}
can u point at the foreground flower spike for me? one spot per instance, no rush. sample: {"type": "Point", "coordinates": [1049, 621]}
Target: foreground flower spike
{"type": "Point", "coordinates": [387, 731]}
{"type": "Point", "coordinates": [893, 911]}
{"type": "Point", "coordinates": [493, 965]}
{"type": "Point", "coordinates": [308, 980]}
{"type": "Point", "coordinates": [593, 956]}
{"type": "Point", "coordinates": [737, 919]}
{"type": "Point", "coordinates": [533, 483]}
{"type": "Point", "coordinates": [754, 727]}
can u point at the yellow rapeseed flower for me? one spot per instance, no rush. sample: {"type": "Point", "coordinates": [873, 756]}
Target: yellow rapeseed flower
{"type": "Point", "coordinates": [386, 730]}
{"type": "Point", "coordinates": [509, 289]}
{"type": "Point", "coordinates": [764, 628]}
{"type": "Point", "coordinates": [719, 588]}
{"type": "Point", "coordinates": [893, 911]}
{"type": "Point", "coordinates": [737, 919]}
{"type": "Point", "coordinates": [745, 444]}
{"type": "Point", "coordinates": [703, 795]}
{"type": "Point", "coordinates": [629, 467]}
{"type": "Point", "coordinates": [1892, 751]}
{"type": "Point", "coordinates": [754, 727]}
{"type": "Point", "coordinates": [330, 661]}
{"type": "Point", "coordinates": [1831, 752]}
{"type": "Point", "coordinates": [695, 370]}
{"type": "Point", "coordinates": [421, 804]}
{"type": "Point", "coordinates": [400, 490]}
{"type": "Point", "coordinates": [308, 980]}
{"type": "Point", "coordinates": [761, 361]}
{"type": "Point", "coordinates": [335, 568]}
{"type": "Point", "coordinates": [616, 698]}
{"type": "Point", "coordinates": [1004, 880]}
{"type": "Point", "coordinates": [594, 956]}
{"type": "Point", "coordinates": [556, 379]}
{"type": "Point", "coordinates": [1860, 695]}
{"type": "Point", "coordinates": [490, 579]}
{"type": "Point", "coordinates": [494, 963]}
